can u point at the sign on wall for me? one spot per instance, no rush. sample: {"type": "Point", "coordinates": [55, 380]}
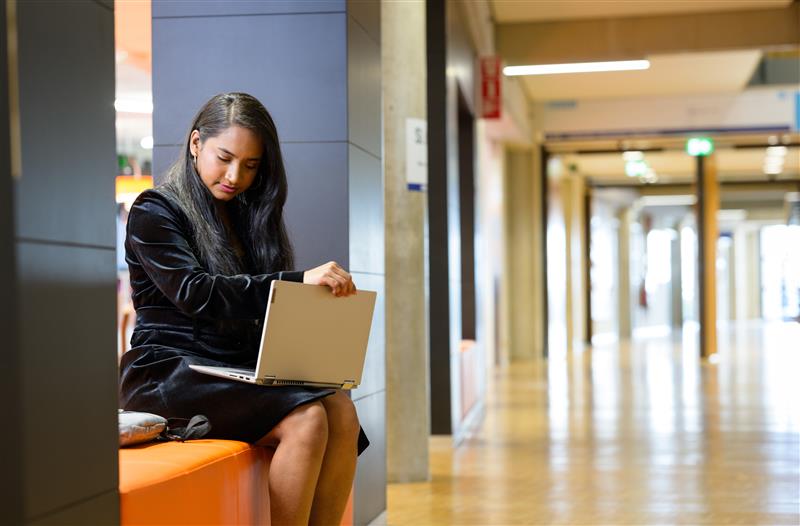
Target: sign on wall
{"type": "Point", "coordinates": [417, 154]}
{"type": "Point", "coordinates": [491, 100]}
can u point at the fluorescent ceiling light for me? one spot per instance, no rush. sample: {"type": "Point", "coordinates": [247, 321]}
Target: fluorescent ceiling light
{"type": "Point", "coordinates": [776, 151]}
{"type": "Point", "coordinates": [133, 106]}
{"type": "Point", "coordinates": [667, 200]}
{"type": "Point", "coordinates": [576, 67]}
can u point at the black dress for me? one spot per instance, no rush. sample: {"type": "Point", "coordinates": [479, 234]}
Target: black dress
{"type": "Point", "coordinates": [185, 315]}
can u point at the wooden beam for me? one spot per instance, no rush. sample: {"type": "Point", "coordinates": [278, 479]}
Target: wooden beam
{"type": "Point", "coordinates": [638, 37]}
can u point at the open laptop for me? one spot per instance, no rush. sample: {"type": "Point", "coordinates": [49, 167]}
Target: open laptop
{"type": "Point", "coordinates": [310, 337]}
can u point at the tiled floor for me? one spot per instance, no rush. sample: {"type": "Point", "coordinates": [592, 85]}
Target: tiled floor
{"type": "Point", "coordinates": [641, 433]}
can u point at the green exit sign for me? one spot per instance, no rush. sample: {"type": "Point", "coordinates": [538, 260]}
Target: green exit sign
{"type": "Point", "coordinates": [699, 146]}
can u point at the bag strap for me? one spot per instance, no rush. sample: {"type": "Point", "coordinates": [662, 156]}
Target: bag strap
{"type": "Point", "coordinates": [198, 427]}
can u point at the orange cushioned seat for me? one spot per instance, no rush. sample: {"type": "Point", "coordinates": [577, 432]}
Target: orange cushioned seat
{"type": "Point", "coordinates": [194, 482]}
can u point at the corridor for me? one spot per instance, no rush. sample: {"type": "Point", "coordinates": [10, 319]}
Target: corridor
{"type": "Point", "coordinates": [640, 433]}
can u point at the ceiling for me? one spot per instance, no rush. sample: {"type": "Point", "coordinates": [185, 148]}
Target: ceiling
{"type": "Point", "coordinates": [514, 11]}
{"type": "Point", "coordinates": [679, 74]}
{"type": "Point", "coordinates": [676, 166]}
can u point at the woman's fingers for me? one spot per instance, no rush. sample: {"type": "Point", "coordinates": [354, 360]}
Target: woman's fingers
{"type": "Point", "coordinates": [334, 276]}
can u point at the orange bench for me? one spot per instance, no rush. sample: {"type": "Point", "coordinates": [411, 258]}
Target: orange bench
{"type": "Point", "coordinates": [195, 482]}
{"type": "Point", "coordinates": [221, 482]}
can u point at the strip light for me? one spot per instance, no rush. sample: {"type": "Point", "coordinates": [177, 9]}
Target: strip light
{"type": "Point", "coordinates": [576, 67]}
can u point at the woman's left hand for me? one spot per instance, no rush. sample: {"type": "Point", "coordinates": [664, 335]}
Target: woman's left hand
{"type": "Point", "coordinates": [331, 274]}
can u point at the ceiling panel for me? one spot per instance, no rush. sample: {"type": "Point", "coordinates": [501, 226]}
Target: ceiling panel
{"type": "Point", "coordinates": [511, 11]}
{"type": "Point", "coordinates": [679, 74]}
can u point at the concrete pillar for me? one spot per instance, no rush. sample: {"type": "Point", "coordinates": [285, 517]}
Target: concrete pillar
{"type": "Point", "coordinates": [520, 247]}
{"type": "Point", "coordinates": [747, 256]}
{"type": "Point", "coordinates": [573, 202]}
{"type": "Point", "coordinates": [539, 319]}
{"type": "Point", "coordinates": [676, 282]}
{"type": "Point", "coordinates": [733, 294]}
{"type": "Point", "coordinates": [707, 208]}
{"type": "Point", "coordinates": [407, 406]}
{"type": "Point", "coordinates": [624, 273]}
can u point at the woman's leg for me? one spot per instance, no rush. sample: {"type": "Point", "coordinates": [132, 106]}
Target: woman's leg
{"type": "Point", "coordinates": [339, 463]}
{"type": "Point", "coordinates": [300, 442]}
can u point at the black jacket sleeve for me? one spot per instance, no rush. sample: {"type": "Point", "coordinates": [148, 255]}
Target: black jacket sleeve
{"type": "Point", "coordinates": [158, 239]}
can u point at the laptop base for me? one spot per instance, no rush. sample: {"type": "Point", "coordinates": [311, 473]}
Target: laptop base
{"type": "Point", "coordinates": [248, 376]}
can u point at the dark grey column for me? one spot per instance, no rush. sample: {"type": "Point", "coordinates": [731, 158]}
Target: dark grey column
{"type": "Point", "coordinates": [438, 256]}
{"type": "Point", "coordinates": [316, 67]}
{"type": "Point", "coordinates": [65, 260]}
{"type": "Point", "coordinates": [10, 410]}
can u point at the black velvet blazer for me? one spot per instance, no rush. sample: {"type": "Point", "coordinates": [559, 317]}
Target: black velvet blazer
{"type": "Point", "coordinates": [172, 292]}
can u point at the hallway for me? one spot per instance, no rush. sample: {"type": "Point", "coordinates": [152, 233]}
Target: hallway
{"type": "Point", "coordinates": [631, 434]}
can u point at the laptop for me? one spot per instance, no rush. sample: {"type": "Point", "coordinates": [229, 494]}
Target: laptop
{"type": "Point", "coordinates": [310, 337]}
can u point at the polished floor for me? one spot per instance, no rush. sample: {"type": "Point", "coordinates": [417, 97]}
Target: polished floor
{"type": "Point", "coordinates": [642, 433]}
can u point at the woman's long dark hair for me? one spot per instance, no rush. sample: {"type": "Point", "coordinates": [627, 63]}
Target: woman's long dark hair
{"type": "Point", "coordinates": [257, 213]}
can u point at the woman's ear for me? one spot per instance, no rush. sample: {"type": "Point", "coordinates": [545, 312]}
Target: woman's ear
{"type": "Point", "coordinates": [194, 143]}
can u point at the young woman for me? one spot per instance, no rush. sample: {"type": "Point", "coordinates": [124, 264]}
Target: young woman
{"type": "Point", "coordinates": [202, 250]}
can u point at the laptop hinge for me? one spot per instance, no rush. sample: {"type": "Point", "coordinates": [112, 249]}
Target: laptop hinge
{"type": "Point", "coordinates": [348, 384]}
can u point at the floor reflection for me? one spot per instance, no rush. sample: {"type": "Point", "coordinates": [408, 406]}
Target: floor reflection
{"type": "Point", "coordinates": [630, 433]}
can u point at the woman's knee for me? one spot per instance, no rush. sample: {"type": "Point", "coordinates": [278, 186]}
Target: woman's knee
{"type": "Point", "coordinates": [342, 417]}
{"type": "Point", "coordinates": [307, 425]}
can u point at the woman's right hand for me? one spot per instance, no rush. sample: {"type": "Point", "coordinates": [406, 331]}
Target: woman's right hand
{"type": "Point", "coordinates": [331, 274]}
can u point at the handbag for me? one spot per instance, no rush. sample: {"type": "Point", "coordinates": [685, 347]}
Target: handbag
{"type": "Point", "coordinates": [137, 428]}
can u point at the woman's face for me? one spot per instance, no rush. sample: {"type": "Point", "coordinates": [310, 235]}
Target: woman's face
{"type": "Point", "coordinates": [228, 163]}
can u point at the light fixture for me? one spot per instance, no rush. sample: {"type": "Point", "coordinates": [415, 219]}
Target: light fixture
{"type": "Point", "coordinates": [636, 168]}
{"type": "Point", "coordinates": [133, 106]}
{"type": "Point", "coordinates": [774, 159]}
{"type": "Point", "coordinates": [633, 155]}
{"type": "Point", "coordinates": [777, 151]}
{"type": "Point", "coordinates": [699, 146]}
{"type": "Point", "coordinates": [147, 142]}
{"type": "Point", "coordinates": [576, 67]}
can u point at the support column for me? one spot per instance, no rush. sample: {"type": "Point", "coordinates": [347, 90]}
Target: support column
{"type": "Point", "coordinates": [518, 190]}
{"type": "Point", "coordinates": [323, 89]}
{"type": "Point", "coordinates": [407, 406]}
{"type": "Point", "coordinates": [64, 249]}
{"type": "Point", "coordinates": [676, 281]}
{"type": "Point", "coordinates": [11, 483]}
{"type": "Point", "coordinates": [543, 194]}
{"type": "Point", "coordinates": [748, 273]}
{"type": "Point", "coordinates": [624, 273]}
{"type": "Point", "coordinates": [587, 264]}
{"type": "Point", "coordinates": [707, 232]}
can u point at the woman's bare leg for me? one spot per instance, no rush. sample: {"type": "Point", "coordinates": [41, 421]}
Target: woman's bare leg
{"type": "Point", "coordinates": [300, 442]}
{"type": "Point", "coordinates": [339, 462]}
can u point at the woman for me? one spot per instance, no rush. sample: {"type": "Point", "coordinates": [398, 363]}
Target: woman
{"type": "Point", "coordinates": [202, 250]}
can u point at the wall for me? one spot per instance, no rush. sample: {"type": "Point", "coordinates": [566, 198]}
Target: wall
{"type": "Point", "coordinates": [316, 67]}
{"type": "Point", "coordinates": [65, 240]}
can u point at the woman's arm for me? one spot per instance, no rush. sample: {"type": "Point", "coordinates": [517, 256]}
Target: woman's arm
{"type": "Point", "coordinates": [160, 244]}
